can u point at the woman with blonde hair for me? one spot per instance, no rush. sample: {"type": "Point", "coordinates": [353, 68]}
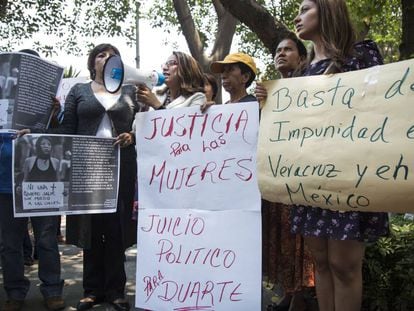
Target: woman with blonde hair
{"type": "Point", "coordinates": [336, 239]}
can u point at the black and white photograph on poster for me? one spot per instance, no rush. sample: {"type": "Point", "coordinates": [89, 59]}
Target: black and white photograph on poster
{"type": "Point", "coordinates": [27, 85]}
{"type": "Point", "coordinates": [64, 175]}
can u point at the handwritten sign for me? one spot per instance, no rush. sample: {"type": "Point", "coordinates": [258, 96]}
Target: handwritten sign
{"type": "Point", "coordinates": [199, 260]}
{"type": "Point", "coordinates": [43, 195]}
{"type": "Point", "coordinates": [199, 224]}
{"type": "Point", "coordinates": [189, 156]}
{"type": "Point", "coordinates": [343, 142]}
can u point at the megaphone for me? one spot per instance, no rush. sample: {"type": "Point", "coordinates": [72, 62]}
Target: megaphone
{"type": "Point", "coordinates": [115, 74]}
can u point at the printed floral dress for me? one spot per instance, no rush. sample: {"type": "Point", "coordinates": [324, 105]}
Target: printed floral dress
{"type": "Point", "coordinates": [337, 225]}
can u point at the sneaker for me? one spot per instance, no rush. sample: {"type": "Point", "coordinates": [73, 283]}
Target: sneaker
{"type": "Point", "coordinates": [13, 305]}
{"type": "Point", "coordinates": [54, 303]}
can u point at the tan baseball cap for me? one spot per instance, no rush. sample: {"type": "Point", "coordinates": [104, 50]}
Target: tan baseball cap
{"type": "Point", "coordinates": [218, 67]}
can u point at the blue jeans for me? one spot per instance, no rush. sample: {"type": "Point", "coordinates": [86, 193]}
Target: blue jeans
{"type": "Point", "coordinates": [13, 231]}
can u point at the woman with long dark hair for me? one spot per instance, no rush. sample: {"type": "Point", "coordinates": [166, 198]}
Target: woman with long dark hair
{"type": "Point", "coordinates": [336, 239]}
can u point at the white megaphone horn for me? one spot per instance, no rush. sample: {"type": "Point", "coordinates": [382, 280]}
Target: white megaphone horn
{"type": "Point", "coordinates": [115, 74]}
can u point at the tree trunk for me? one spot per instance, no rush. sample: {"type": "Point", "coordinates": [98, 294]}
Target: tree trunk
{"type": "Point", "coordinates": [407, 40]}
{"type": "Point", "coordinates": [259, 20]}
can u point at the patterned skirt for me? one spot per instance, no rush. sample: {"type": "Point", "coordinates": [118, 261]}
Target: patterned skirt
{"type": "Point", "coordinates": [337, 225]}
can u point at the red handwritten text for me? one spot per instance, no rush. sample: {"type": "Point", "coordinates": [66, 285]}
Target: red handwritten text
{"type": "Point", "coordinates": [177, 148]}
{"type": "Point", "coordinates": [214, 258]}
{"type": "Point", "coordinates": [198, 124]}
{"type": "Point", "coordinates": [151, 283]}
{"type": "Point", "coordinates": [205, 293]}
{"type": "Point", "coordinates": [214, 144]}
{"type": "Point", "coordinates": [175, 225]}
{"type": "Point", "coordinates": [213, 172]}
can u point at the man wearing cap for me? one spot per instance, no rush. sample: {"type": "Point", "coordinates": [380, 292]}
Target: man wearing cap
{"type": "Point", "coordinates": [238, 71]}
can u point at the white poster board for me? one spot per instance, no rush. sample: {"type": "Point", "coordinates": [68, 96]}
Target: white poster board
{"type": "Point", "coordinates": [188, 156]}
{"type": "Point", "coordinates": [199, 222]}
{"type": "Point", "coordinates": [199, 260]}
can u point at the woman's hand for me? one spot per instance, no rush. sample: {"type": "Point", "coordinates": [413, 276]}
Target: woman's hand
{"type": "Point", "coordinates": [54, 120]}
{"type": "Point", "coordinates": [22, 132]}
{"type": "Point", "coordinates": [55, 104]}
{"type": "Point", "coordinates": [147, 97]}
{"type": "Point", "coordinates": [260, 92]}
{"type": "Point", "coordinates": [206, 105]}
{"type": "Point", "coordinates": [125, 139]}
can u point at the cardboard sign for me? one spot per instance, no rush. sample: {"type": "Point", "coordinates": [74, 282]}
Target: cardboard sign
{"type": "Point", "coordinates": [343, 142]}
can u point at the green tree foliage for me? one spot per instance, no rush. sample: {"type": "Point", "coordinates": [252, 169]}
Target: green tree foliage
{"type": "Point", "coordinates": [162, 15]}
{"type": "Point", "coordinates": [70, 72]}
{"type": "Point", "coordinates": [389, 269]}
{"type": "Point", "coordinates": [207, 27]}
{"type": "Point", "coordinates": [379, 20]}
{"type": "Point", "coordinates": [283, 11]}
{"type": "Point", "coordinates": [69, 22]}
{"type": "Point", "coordinates": [66, 23]}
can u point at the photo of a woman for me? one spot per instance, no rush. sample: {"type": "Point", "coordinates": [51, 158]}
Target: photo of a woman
{"type": "Point", "coordinates": [41, 167]}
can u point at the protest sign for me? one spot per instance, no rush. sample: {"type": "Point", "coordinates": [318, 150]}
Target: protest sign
{"type": "Point", "coordinates": [199, 260]}
{"type": "Point", "coordinates": [342, 141]}
{"type": "Point", "coordinates": [64, 175]}
{"type": "Point", "coordinates": [199, 223]}
{"type": "Point", "coordinates": [188, 154]}
{"type": "Point", "coordinates": [27, 84]}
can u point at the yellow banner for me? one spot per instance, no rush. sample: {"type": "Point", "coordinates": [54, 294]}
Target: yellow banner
{"type": "Point", "coordinates": [343, 142]}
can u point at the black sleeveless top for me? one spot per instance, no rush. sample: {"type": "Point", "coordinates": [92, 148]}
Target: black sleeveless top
{"type": "Point", "coordinates": [38, 175]}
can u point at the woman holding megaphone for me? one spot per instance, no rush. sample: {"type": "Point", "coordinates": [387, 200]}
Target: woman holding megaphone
{"type": "Point", "coordinates": [91, 110]}
{"type": "Point", "coordinates": [184, 85]}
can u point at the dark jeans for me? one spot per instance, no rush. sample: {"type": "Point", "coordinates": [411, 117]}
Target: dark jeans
{"type": "Point", "coordinates": [103, 264]}
{"type": "Point", "coordinates": [13, 231]}
{"type": "Point", "coordinates": [27, 246]}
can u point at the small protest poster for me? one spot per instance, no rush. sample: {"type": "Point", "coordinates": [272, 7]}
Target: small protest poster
{"type": "Point", "coordinates": [342, 141]}
{"type": "Point", "coordinates": [27, 85]}
{"type": "Point", "coordinates": [64, 175]}
{"type": "Point", "coordinates": [199, 221]}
